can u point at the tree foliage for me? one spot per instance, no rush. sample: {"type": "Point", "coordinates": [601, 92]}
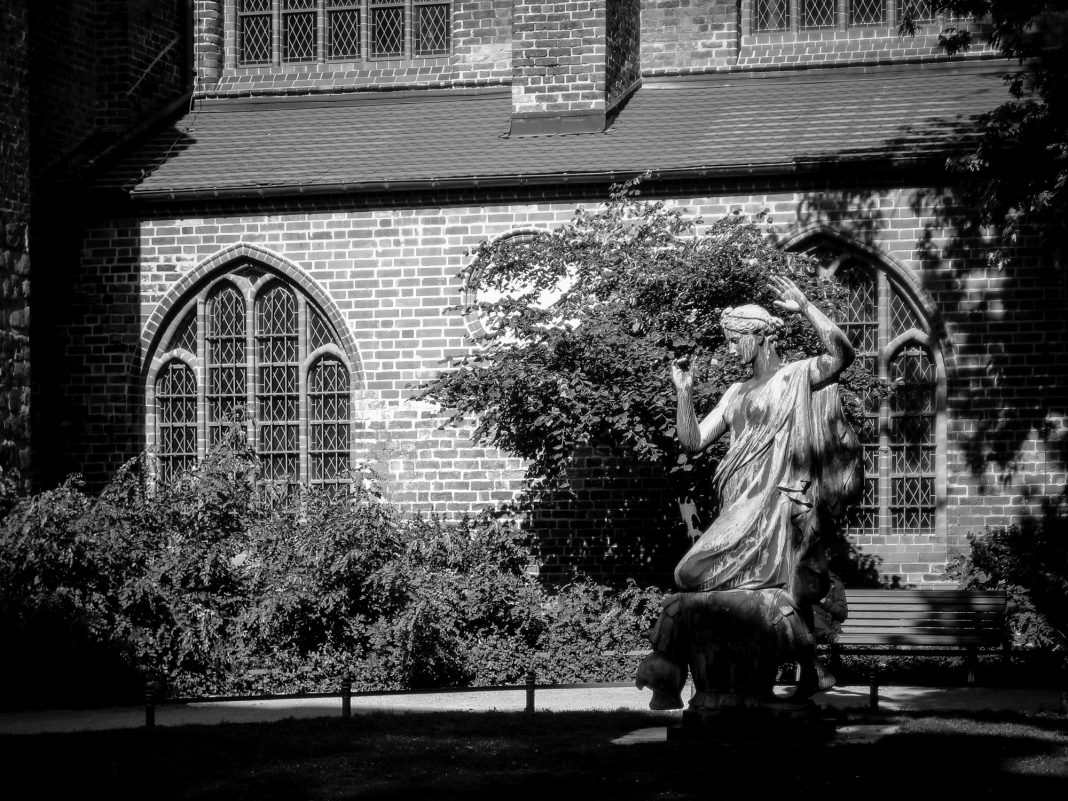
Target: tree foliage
{"type": "Point", "coordinates": [581, 323]}
{"type": "Point", "coordinates": [1014, 174]}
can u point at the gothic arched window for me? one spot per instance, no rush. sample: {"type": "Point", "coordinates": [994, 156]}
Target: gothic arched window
{"type": "Point", "coordinates": [251, 350]}
{"type": "Point", "coordinates": [901, 433]}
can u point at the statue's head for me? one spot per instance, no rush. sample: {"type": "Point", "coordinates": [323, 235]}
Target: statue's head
{"type": "Point", "coordinates": [749, 328]}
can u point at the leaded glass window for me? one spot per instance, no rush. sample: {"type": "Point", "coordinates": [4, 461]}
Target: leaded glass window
{"type": "Point", "coordinates": [176, 410]}
{"type": "Point", "coordinates": [861, 325]}
{"type": "Point", "coordinates": [227, 365]}
{"type": "Point", "coordinates": [252, 352]}
{"type": "Point", "coordinates": [923, 10]}
{"type": "Point", "coordinates": [281, 32]}
{"type": "Point", "coordinates": [867, 12]}
{"type": "Point", "coordinates": [387, 29]}
{"type": "Point", "coordinates": [343, 25]}
{"type": "Point", "coordinates": [912, 441]}
{"type": "Point", "coordinates": [254, 25]}
{"type": "Point", "coordinates": [186, 335]}
{"type": "Point", "coordinates": [431, 28]}
{"type": "Point", "coordinates": [299, 30]}
{"type": "Point", "coordinates": [899, 433]}
{"type": "Point", "coordinates": [328, 422]}
{"type": "Point", "coordinates": [278, 395]}
{"type": "Point", "coordinates": [771, 15]}
{"type": "Point", "coordinates": [782, 15]}
{"type": "Point", "coordinates": [818, 13]}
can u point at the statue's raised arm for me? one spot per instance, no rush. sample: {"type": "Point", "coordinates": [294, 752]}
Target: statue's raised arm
{"type": "Point", "coordinates": [693, 436]}
{"type": "Point", "coordinates": [827, 367]}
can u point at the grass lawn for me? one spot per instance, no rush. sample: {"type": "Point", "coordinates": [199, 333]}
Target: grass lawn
{"type": "Point", "coordinates": [550, 756]}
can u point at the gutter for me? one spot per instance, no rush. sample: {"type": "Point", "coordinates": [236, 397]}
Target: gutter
{"type": "Point", "coordinates": [289, 191]}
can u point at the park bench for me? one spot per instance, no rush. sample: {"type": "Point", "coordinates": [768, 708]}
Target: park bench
{"type": "Point", "coordinates": [925, 623]}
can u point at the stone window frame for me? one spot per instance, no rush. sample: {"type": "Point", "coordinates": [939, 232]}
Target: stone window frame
{"type": "Point", "coordinates": [323, 10]}
{"type": "Point", "coordinates": [253, 272]}
{"type": "Point", "coordinates": [793, 16]}
{"type": "Point", "coordinates": [925, 335]}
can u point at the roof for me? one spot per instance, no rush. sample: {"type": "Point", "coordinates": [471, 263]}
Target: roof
{"type": "Point", "coordinates": [737, 123]}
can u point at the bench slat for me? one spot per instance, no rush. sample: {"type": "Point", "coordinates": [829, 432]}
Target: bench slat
{"type": "Point", "coordinates": [910, 614]}
{"type": "Point", "coordinates": [890, 638]}
{"type": "Point", "coordinates": [857, 631]}
{"type": "Point", "coordinates": [927, 603]}
{"type": "Point", "coordinates": [966, 595]}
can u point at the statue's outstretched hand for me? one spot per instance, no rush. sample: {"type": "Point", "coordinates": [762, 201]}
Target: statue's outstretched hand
{"type": "Point", "coordinates": [790, 297]}
{"type": "Point", "coordinates": [681, 375]}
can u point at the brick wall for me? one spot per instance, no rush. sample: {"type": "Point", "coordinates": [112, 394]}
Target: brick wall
{"type": "Point", "coordinates": [843, 43]}
{"type": "Point", "coordinates": [63, 76]}
{"type": "Point", "coordinates": [558, 56]}
{"type": "Point", "coordinates": [208, 40]}
{"type": "Point", "coordinates": [623, 48]}
{"type": "Point", "coordinates": [688, 35]}
{"type": "Point", "coordinates": [99, 67]}
{"type": "Point", "coordinates": [14, 237]}
{"type": "Point", "coordinates": [391, 273]}
{"type": "Point", "coordinates": [481, 55]}
{"type": "Point", "coordinates": [138, 53]}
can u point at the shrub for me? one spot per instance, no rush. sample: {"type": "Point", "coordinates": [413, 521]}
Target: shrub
{"type": "Point", "coordinates": [216, 582]}
{"type": "Point", "coordinates": [1030, 562]}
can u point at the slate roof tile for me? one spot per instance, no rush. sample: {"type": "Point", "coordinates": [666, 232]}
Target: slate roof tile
{"type": "Point", "coordinates": [733, 122]}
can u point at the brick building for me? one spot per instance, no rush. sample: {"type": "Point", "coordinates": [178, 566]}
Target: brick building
{"type": "Point", "coordinates": [264, 204]}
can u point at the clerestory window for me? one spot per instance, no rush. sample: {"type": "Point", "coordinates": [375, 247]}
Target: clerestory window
{"type": "Point", "coordinates": [785, 15]}
{"type": "Point", "coordinates": [902, 435]}
{"type": "Point", "coordinates": [251, 350]}
{"type": "Point", "coordinates": [280, 32]}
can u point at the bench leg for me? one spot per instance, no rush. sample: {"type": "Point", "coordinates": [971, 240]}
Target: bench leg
{"type": "Point", "coordinates": [873, 690]}
{"type": "Point", "coordinates": [973, 663]}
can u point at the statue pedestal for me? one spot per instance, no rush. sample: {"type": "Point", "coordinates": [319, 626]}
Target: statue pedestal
{"type": "Point", "coordinates": [733, 642]}
{"type": "Point", "coordinates": [778, 720]}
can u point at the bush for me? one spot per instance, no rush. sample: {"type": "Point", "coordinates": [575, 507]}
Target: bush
{"type": "Point", "coordinates": [1030, 562]}
{"type": "Point", "coordinates": [216, 582]}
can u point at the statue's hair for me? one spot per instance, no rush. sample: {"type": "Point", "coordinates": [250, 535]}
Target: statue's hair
{"type": "Point", "coordinates": [750, 319]}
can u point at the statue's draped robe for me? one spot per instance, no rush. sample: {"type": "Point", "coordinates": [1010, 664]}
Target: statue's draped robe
{"type": "Point", "coordinates": [792, 456]}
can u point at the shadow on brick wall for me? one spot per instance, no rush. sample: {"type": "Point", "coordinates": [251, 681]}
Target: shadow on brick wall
{"type": "Point", "coordinates": [622, 520]}
{"type": "Point", "coordinates": [88, 403]}
{"type": "Point", "coordinates": [618, 520]}
{"type": "Point", "coordinates": [1002, 328]}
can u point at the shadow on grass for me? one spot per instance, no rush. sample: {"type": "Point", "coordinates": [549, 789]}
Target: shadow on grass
{"type": "Point", "coordinates": [547, 755]}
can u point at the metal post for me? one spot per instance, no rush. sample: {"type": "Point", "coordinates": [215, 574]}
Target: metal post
{"type": "Point", "coordinates": [150, 703]}
{"type": "Point", "coordinates": [346, 697]}
{"type": "Point", "coordinates": [873, 690]}
{"type": "Point", "coordinates": [530, 690]}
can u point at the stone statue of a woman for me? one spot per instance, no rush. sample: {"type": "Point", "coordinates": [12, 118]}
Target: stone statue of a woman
{"type": "Point", "coordinates": [748, 582]}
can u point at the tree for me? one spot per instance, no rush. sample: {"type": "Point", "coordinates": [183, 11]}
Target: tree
{"type": "Point", "coordinates": [581, 324]}
{"type": "Point", "coordinates": [1014, 173]}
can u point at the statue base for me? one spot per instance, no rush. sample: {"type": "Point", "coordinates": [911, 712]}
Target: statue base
{"type": "Point", "coordinates": [733, 642]}
{"type": "Point", "coordinates": [774, 720]}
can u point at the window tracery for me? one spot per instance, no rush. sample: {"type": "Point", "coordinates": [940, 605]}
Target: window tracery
{"type": "Point", "coordinates": [253, 351]}
{"type": "Point", "coordinates": [900, 433]}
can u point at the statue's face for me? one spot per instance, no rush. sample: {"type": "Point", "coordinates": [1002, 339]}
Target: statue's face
{"type": "Point", "coordinates": [743, 347]}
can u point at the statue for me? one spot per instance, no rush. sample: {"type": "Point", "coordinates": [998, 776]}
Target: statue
{"type": "Point", "coordinates": [747, 585]}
